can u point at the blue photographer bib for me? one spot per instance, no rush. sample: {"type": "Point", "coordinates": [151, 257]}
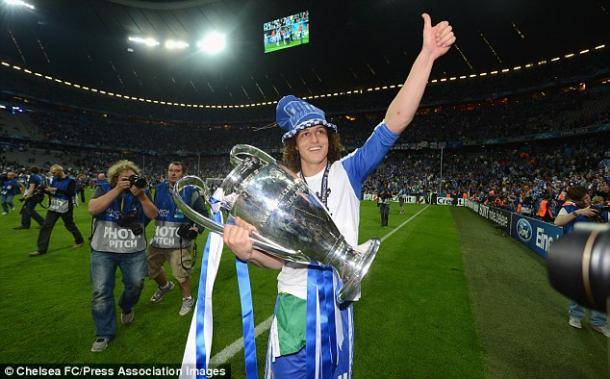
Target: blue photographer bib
{"type": "Point", "coordinates": [60, 202]}
{"type": "Point", "coordinates": [108, 236]}
{"type": "Point", "coordinates": [171, 217]}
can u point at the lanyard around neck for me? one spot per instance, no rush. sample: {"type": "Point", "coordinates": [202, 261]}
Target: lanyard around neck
{"type": "Point", "coordinates": [324, 191]}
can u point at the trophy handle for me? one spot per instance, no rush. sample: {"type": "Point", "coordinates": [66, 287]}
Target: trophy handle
{"type": "Point", "coordinates": [248, 150]}
{"type": "Point", "coordinates": [199, 184]}
{"type": "Point", "coordinates": [196, 182]}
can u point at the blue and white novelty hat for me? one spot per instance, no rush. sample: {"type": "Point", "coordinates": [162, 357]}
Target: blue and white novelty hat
{"type": "Point", "coordinates": [293, 114]}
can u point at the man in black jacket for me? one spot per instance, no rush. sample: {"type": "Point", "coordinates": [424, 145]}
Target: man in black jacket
{"type": "Point", "coordinates": [385, 195]}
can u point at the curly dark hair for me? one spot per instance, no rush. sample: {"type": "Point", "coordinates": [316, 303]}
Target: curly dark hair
{"type": "Point", "coordinates": [292, 160]}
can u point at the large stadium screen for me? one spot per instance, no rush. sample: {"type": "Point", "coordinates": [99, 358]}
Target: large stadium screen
{"type": "Point", "coordinates": [286, 32]}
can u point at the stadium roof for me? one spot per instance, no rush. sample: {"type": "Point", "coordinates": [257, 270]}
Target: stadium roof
{"type": "Point", "coordinates": [354, 44]}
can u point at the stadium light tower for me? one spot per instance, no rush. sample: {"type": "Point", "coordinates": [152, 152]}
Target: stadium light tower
{"type": "Point", "coordinates": [19, 3]}
{"type": "Point", "coordinates": [212, 43]}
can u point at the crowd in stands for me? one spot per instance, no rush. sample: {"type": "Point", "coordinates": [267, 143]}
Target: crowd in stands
{"type": "Point", "coordinates": [98, 130]}
{"type": "Point", "coordinates": [541, 112]}
{"type": "Point", "coordinates": [515, 176]}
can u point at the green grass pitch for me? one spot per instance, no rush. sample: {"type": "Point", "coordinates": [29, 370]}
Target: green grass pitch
{"type": "Point", "coordinates": [449, 296]}
{"type": "Point", "coordinates": [270, 47]}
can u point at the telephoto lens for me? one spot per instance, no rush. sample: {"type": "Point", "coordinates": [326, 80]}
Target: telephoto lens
{"type": "Point", "coordinates": [137, 181]}
{"type": "Point", "coordinates": [579, 266]}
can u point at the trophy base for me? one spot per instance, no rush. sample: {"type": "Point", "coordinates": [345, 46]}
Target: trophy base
{"type": "Point", "coordinates": [351, 287]}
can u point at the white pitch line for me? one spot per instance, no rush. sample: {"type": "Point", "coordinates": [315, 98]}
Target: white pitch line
{"type": "Point", "coordinates": [403, 224]}
{"type": "Point", "coordinates": [234, 348]}
{"type": "Point", "coordinates": [237, 345]}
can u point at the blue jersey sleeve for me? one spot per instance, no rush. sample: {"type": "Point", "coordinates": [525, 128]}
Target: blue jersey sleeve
{"type": "Point", "coordinates": [363, 161]}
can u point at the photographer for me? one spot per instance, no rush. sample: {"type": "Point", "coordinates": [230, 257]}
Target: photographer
{"type": "Point", "coordinates": [10, 188]}
{"type": "Point", "coordinates": [120, 210]}
{"type": "Point", "coordinates": [61, 191]}
{"type": "Point", "coordinates": [173, 239]}
{"type": "Point", "coordinates": [31, 197]}
{"type": "Point", "coordinates": [576, 209]}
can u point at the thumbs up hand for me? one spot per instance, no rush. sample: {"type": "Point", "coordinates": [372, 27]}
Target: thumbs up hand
{"type": "Point", "coordinates": [437, 39]}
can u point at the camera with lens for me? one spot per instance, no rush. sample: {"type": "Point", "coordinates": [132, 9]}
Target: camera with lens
{"type": "Point", "coordinates": [579, 265]}
{"type": "Point", "coordinates": [186, 232]}
{"type": "Point", "coordinates": [129, 220]}
{"type": "Point", "coordinates": [137, 181]}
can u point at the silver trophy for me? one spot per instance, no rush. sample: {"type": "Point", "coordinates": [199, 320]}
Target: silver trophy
{"type": "Point", "coordinates": [291, 222]}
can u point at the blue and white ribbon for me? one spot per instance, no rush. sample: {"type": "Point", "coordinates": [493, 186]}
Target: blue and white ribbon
{"type": "Point", "coordinates": [321, 323]}
{"type": "Point", "coordinates": [247, 318]}
{"type": "Point", "coordinates": [199, 342]}
{"type": "Point", "coordinates": [247, 315]}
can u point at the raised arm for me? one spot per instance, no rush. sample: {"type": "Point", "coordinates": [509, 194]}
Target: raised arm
{"type": "Point", "coordinates": [361, 163]}
{"type": "Point", "coordinates": [436, 42]}
{"type": "Point", "coordinates": [99, 204]}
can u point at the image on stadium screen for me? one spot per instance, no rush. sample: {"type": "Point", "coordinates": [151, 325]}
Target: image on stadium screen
{"type": "Point", "coordinates": [286, 32]}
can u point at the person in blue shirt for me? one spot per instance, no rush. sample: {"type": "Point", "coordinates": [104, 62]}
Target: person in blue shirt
{"type": "Point", "coordinates": [312, 148]}
{"type": "Point", "coordinates": [168, 244]}
{"type": "Point", "coordinates": [32, 197]}
{"type": "Point", "coordinates": [10, 188]}
{"type": "Point", "coordinates": [577, 209]}
{"type": "Point", "coordinates": [120, 213]}
{"type": "Point", "coordinates": [61, 190]}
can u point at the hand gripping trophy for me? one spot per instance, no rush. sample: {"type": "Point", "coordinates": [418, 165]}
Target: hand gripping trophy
{"type": "Point", "coordinates": [291, 222]}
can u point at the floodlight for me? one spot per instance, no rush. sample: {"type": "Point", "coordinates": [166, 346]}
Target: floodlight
{"type": "Point", "coordinates": [19, 3]}
{"type": "Point", "coordinates": [212, 43]}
